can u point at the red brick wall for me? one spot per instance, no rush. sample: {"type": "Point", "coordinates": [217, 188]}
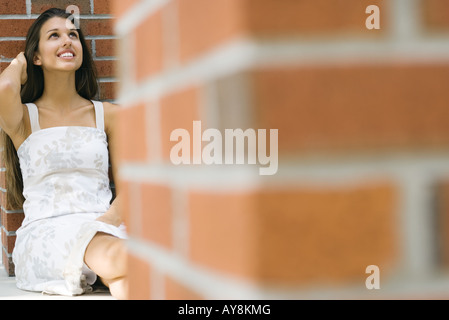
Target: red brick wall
{"type": "Point", "coordinates": [15, 19]}
{"type": "Point", "coordinates": [362, 117]}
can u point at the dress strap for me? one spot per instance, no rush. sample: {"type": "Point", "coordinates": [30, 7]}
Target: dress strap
{"type": "Point", "coordinates": [34, 117]}
{"type": "Point", "coordinates": [99, 114]}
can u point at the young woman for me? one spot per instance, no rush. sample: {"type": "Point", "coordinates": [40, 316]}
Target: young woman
{"type": "Point", "coordinates": [56, 142]}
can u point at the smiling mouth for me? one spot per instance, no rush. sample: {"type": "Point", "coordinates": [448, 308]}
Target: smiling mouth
{"type": "Point", "coordinates": [66, 55]}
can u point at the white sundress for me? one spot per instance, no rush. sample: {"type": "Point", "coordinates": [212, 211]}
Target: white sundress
{"type": "Point", "coordinates": [66, 188]}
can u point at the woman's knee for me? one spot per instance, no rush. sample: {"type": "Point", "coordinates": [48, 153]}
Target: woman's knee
{"type": "Point", "coordinates": [119, 288]}
{"type": "Point", "coordinates": [106, 256]}
{"type": "Point", "coordinates": [115, 252]}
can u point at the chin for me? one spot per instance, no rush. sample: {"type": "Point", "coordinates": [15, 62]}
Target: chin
{"type": "Point", "coordinates": [68, 67]}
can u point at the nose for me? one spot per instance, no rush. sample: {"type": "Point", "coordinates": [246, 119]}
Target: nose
{"type": "Point", "coordinates": [67, 41]}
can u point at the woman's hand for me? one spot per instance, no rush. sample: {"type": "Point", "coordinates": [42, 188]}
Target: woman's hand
{"type": "Point", "coordinates": [22, 62]}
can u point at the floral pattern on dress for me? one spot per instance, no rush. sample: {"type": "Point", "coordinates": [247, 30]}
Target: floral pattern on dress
{"type": "Point", "coordinates": [67, 174]}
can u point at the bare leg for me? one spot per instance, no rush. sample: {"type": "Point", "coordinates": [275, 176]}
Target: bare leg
{"type": "Point", "coordinates": [106, 256]}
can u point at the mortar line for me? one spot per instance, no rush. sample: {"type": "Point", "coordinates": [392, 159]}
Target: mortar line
{"type": "Point", "coordinates": [245, 54]}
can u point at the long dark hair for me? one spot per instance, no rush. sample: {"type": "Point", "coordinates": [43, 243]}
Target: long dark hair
{"type": "Point", "coordinates": [86, 86]}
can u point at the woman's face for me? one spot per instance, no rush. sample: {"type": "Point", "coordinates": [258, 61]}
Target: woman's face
{"type": "Point", "coordinates": [59, 46]}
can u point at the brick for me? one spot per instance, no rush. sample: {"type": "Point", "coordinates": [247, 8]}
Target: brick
{"type": "Point", "coordinates": [199, 32]}
{"type": "Point", "coordinates": [107, 90]}
{"type": "Point", "coordinates": [229, 19]}
{"type": "Point", "coordinates": [227, 224]}
{"type": "Point", "coordinates": [174, 290]}
{"type": "Point", "coordinates": [157, 214]}
{"type": "Point", "coordinates": [131, 137]}
{"type": "Point", "coordinates": [98, 27]}
{"type": "Point", "coordinates": [8, 263]}
{"type": "Point", "coordinates": [178, 110]}
{"type": "Point", "coordinates": [105, 47]}
{"type": "Point", "coordinates": [3, 66]}
{"type": "Point", "coordinates": [295, 236]}
{"type": "Point", "coordinates": [435, 14]}
{"type": "Point", "coordinates": [39, 6]}
{"type": "Point", "coordinates": [139, 278]}
{"type": "Point", "coordinates": [363, 108]}
{"type": "Point", "coordinates": [12, 221]}
{"type": "Point", "coordinates": [89, 45]}
{"type": "Point", "coordinates": [309, 17]}
{"type": "Point", "coordinates": [103, 6]}
{"type": "Point", "coordinates": [10, 49]}
{"type": "Point", "coordinates": [105, 68]}
{"type": "Point", "coordinates": [442, 222]}
{"type": "Point", "coordinates": [15, 28]}
{"type": "Point", "coordinates": [148, 52]}
{"type": "Point", "coordinates": [13, 7]}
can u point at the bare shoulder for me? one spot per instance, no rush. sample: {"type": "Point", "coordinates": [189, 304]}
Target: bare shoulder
{"type": "Point", "coordinates": [110, 107]}
{"type": "Point", "coordinates": [110, 112]}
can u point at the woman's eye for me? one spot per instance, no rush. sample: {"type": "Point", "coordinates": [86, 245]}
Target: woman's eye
{"type": "Point", "coordinates": [54, 35]}
{"type": "Point", "coordinates": [73, 34]}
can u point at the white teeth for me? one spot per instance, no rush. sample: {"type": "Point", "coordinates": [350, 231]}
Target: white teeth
{"type": "Point", "coordinates": [66, 55]}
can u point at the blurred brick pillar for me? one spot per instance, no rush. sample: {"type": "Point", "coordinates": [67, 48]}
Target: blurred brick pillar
{"type": "Point", "coordinates": [363, 140]}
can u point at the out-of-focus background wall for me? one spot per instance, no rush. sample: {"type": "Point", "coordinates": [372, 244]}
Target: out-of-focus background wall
{"type": "Point", "coordinates": [363, 125]}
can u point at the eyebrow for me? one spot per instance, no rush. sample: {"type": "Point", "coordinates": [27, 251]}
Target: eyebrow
{"type": "Point", "coordinates": [58, 30]}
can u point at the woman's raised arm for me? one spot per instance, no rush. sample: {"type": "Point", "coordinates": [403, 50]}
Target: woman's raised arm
{"type": "Point", "coordinates": [11, 107]}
